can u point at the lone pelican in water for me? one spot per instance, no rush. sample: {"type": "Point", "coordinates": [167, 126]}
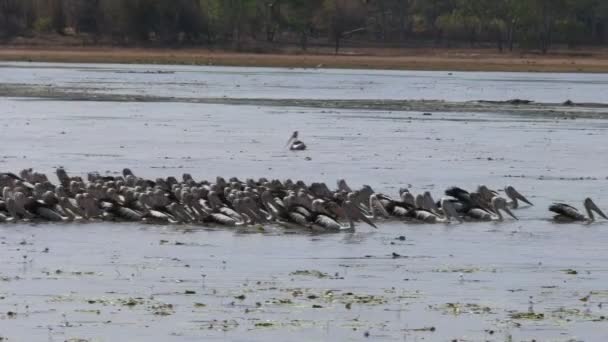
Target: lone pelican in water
{"type": "Point", "coordinates": [295, 144]}
{"type": "Point", "coordinates": [566, 213]}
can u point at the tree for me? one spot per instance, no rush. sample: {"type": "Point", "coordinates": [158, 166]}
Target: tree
{"type": "Point", "coordinates": [12, 18]}
{"type": "Point", "coordinates": [430, 11]}
{"type": "Point", "coordinates": [301, 18]}
{"type": "Point", "coordinates": [344, 18]}
{"type": "Point", "coordinates": [534, 24]}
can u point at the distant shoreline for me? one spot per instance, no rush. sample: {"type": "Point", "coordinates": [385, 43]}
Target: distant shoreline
{"type": "Point", "coordinates": [593, 61]}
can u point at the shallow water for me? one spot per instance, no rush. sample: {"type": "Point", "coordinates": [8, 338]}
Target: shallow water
{"type": "Point", "coordinates": [276, 83]}
{"type": "Point", "coordinates": [107, 282]}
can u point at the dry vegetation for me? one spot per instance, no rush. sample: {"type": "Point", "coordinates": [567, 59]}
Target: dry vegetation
{"type": "Point", "coordinates": [413, 59]}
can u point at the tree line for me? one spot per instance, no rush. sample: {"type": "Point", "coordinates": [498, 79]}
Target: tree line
{"type": "Point", "coordinates": [505, 24]}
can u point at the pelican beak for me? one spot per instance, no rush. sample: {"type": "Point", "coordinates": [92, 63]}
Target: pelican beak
{"type": "Point", "coordinates": [500, 203]}
{"type": "Point", "coordinates": [376, 205]}
{"type": "Point", "coordinates": [449, 210]}
{"type": "Point", "coordinates": [487, 207]}
{"type": "Point", "coordinates": [508, 211]}
{"type": "Point", "coordinates": [289, 141]}
{"type": "Point", "coordinates": [514, 194]}
{"type": "Point", "coordinates": [354, 213]}
{"type": "Point", "coordinates": [590, 206]}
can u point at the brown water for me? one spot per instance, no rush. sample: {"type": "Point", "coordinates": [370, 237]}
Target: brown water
{"type": "Point", "coordinates": [517, 280]}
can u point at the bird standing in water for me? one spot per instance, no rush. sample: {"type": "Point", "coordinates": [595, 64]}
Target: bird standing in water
{"type": "Point", "coordinates": [295, 144]}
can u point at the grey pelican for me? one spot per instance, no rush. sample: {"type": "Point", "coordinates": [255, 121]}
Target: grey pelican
{"type": "Point", "coordinates": [294, 144]}
{"type": "Point", "coordinates": [566, 213]}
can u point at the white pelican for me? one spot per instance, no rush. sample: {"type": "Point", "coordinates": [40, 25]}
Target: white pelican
{"type": "Point", "coordinates": [294, 144]}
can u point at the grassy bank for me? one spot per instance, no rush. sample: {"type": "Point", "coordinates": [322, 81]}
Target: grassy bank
{"type": "Point", "coordinates": [404, 59]}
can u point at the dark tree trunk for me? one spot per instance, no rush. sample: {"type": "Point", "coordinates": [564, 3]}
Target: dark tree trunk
{"type": "Point", "coordinates": [402, 4]}
{"type": "Point", "coordinates": [511, 35]}
{"type": "Point", "coordinates": [499, 41]}
{"type": "Point", "coordinates": [304, 40]}
{"type": "Point", "coordinates": [337, 38]}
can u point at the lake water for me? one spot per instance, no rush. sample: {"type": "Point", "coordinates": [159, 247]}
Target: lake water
{"type": "Point", "coordinates": [524, 280]}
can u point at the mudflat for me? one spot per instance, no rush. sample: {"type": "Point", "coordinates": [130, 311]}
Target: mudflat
{"type": "Point", "coordinates": [595, 60]}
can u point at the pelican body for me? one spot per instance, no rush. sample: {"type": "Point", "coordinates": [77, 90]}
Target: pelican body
{"type": "Point", "coordinates": [567, 213]}
{"type": "Point", "coordinates": [295, 144]}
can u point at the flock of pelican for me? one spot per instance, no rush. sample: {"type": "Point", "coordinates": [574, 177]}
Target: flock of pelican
{"type": "Point", "coordinates": [31, 197]}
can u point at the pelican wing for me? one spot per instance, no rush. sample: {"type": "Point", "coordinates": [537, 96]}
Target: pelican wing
{"type": "Point", "coordinates": [231, 213]}
{"type": "Point", "coordinates": [223, 220]}
{"type": "Point", "coordinates": [128, 214]}
{"type": "Point", "coordinates": [327, 222]}
{"type": "Point", "coordinates": [298, 218]}
{"type": "Point", "coordinates": [479, 214]}
{"type": "Point", "coordinates": [459, 194]}
{"type": "Point", "coordinates": [567, 211]}
{"type": "Point", "coordinates": [424, 216]}
{"type": "Point", "coordinates": [48, 214]}
{"type": "Point", "coordinates": [400, 211]}
{"type": "Point", "coordinates": [320, 190]}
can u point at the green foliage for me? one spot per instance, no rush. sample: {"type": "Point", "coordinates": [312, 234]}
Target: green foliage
{"type": "Point", "coordinates": [535, 24]}
{"type": "Point", "coordinates": [43, 25]}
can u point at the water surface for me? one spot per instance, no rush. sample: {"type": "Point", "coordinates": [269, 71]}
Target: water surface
{"type": "Point", "coordinates": [524, 280]}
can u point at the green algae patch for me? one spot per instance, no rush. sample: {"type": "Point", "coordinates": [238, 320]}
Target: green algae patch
{"type": "Point", "coordinates": [465, 308]}
{"type": "Point", "coordinates": [527, 316]}
{"type": "Point", "coordinates": [264, 324]}
{"type": "Point", "coordinates": [310, 273]}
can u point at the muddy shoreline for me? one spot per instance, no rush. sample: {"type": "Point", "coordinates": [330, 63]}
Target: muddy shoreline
{"type": "Point", "coordinates": [516, 107]}
{"type": "Point", "coordinates": [592, 61]}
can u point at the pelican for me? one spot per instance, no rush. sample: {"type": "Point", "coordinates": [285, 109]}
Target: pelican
{"type": "Point", "coordinates": [566, 213]}
{"type": "Point", "coordinates": [382, 205]}
{"type": "Point", "coordinates": [477, 212]}
{"type": "Point", "coordinates": [486, 195]}
{"type": "Point", "coordinates": [515, 197]}
{"type": "Point", "coordinates": [294, 144]}
{"type": "Point", "coordinates": [428, 216]}
{"type": "Point", "coordinates": [484, 205]}
{"type": "Point", "coordinates": [325, 216]}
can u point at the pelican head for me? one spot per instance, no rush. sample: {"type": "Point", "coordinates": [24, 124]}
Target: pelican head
{"type": "Point", "coordinates": [343, 186]}
{"type": "Point", "coordinates": [515, 196]}
{"type": "Point", "coordinates": [293, 137]}
{"type": "Point", "coordinates": [591, 207]}
{"type": "Point", "coordinates": [486, 193]}
{"type": "Point", "coordinates": [498, 204]}
{"type": "Point", "coordinates": [408, 198]}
